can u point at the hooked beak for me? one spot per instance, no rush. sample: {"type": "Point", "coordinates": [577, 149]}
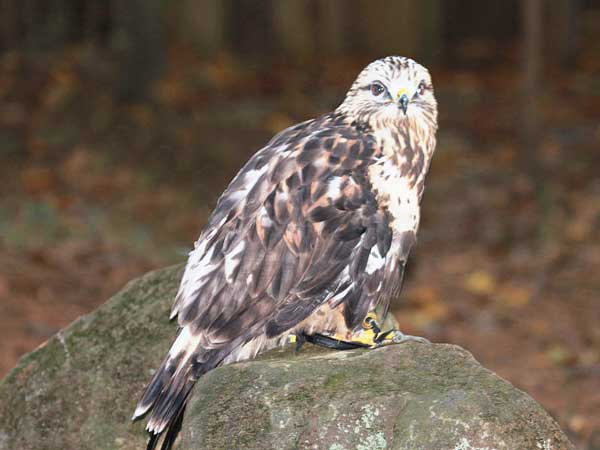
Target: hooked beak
{"type": "Point", "coordinates": [403, 103]}
{"type": "Point", "coordinates": [402, 98]}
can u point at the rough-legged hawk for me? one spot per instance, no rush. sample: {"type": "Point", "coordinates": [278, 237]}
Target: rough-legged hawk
{"type": "Point", "coordinates": [308, 239]}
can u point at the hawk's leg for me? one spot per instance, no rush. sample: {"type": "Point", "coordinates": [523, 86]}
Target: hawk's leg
{"type": "Point", "coordinates": [322, 341]}
{"type": "Point", "coordinates": [298, 340]}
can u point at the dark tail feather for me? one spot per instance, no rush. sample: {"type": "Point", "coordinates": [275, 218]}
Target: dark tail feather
{"type": "Point", "coordinates": [173, 431]}
{"type": "Point", "coordinates": [170, 402]}
{"type": "Point", "coordinates": [165, 400]}
{"type": "Point", "coordinates": [154, 388]}
{"type": "Point", "coordinates": [166, 395]}
{"type": "Point", "coordinates": [153, 441]}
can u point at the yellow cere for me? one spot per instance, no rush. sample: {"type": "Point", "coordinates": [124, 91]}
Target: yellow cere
{"type": "Point", "coordinates": [401, 92]}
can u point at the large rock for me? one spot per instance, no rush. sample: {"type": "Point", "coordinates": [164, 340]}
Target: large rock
{"type": "Point", "coordinates": [78, 392]}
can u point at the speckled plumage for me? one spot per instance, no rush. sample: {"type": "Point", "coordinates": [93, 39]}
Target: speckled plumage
{"type": "Point", "coordinates": [311, 235]}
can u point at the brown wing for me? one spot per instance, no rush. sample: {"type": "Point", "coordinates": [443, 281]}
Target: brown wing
{"type": "Point", "coordinates": [297, 227]}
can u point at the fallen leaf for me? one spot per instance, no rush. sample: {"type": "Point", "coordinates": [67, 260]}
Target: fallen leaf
{"type": "Point", "coordinates": [513, 296]}
{"type": "Point", "coordinates": [480, 282]}
{"type": "Point", "coordinates": [558, 355]}
{"type": "Point", "coordinates": [36, 180]}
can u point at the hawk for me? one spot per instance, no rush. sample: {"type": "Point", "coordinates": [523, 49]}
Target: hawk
{"type": "Point", "coordinates": [307, 240]}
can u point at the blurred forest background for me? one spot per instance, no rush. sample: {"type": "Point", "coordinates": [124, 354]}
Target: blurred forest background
{"type": "Point", "coordinates": [121, 122]}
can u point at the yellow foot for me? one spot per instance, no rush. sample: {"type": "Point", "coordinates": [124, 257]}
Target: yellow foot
{"type": "Point", "coordinates": [371, 335]}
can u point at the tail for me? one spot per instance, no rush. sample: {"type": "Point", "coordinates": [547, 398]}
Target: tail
{"type": "Point", "coordinates": [167, 393]}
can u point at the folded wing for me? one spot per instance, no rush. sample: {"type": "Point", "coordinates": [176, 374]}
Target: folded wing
{"type": "Point", "coordinates": [299, 226]}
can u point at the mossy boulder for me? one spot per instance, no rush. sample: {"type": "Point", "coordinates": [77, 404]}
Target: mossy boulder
{"type": "Point", "coordinates": [78, 391]}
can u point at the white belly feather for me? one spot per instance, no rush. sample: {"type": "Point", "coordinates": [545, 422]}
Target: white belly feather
{"type": "Point", "coordinates": [396, 193]}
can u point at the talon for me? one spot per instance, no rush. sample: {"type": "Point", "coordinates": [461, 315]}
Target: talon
{"type": "Point", "coordinates": [382, 336]}
{"type": "Point", "coordinates": [370, 321]}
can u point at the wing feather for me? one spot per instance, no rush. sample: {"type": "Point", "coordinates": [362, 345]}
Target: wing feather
{"type": "Point", "coordinates": [296, 228]}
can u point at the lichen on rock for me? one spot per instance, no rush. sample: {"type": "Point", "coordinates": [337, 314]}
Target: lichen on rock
{"type": "Point", "coordinates": [78, 391]}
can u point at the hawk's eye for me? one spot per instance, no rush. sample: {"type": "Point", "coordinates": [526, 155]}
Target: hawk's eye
{"type": "Point", "coordinates": [377, 89]}
{"type": "Point", "coordinates": [421, 88]}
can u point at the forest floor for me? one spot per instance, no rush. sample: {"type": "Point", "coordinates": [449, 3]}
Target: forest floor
{"type": "Point", "coordinates": [95, 193]}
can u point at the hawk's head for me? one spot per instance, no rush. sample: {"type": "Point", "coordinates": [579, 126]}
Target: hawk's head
{"type": "Point", "coordinates": [390, 91]}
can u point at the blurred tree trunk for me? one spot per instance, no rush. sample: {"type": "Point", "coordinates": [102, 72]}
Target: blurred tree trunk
{"type": "Point", "coordinates": [430, 31]}
{"type": "Point", "coordinates": [91, 15]}
{"type": "Point", "coordinates": [293, 27]}
{"type": "Point", "coordinates": [9, 19]}
{"type": "Point", "coordinates": [540, 172]}
{"type": "Point", "coordinates": [390, 27]}
{"type": "Point", "coordinates": [400, 27]}
{"type": "Point", "coordinates": [202, 23]}
{"type": "Point", "coordinates": [330, 26]}
{"type": "Point", "coordinates": [477, 19]}
{"type": "Point", "coordinates": [44, 25]}
{"type": "Point", "coordinates": [29, 24]}
{"type": "Point", "coordinates": [531, 67]}
{"type": "Point", "coordinates": [563, 26]}
{"type": "Point", "coordinates": [55, 24]}
{"type": "Point", "coordinates": [140, 42]}
{"type": "Point", "coordinates": [252, 25]}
